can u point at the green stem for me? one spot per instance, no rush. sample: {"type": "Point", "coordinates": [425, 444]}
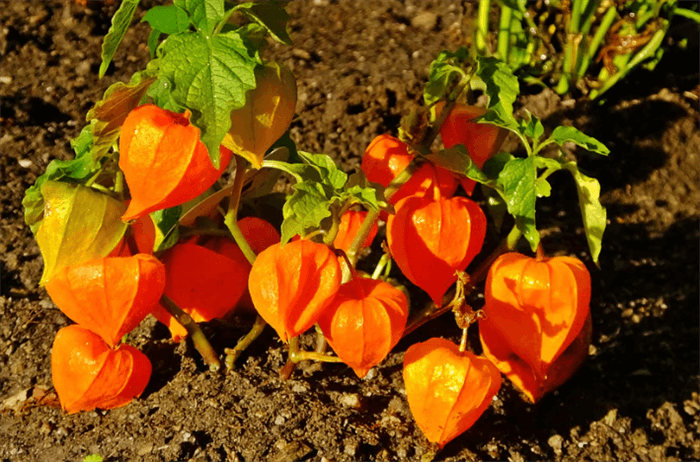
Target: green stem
{"type": "Point", "coordinates": [231, 219]}
{"type": "Point", "coordinates": [573, 40]}
{"type": "Point", "coordinates": [686, 13]}
{"type": "Point", "coordinates": [232, 354]}
{"type": "Point", "coordinates": [646, 52]}
{"type": "Point", "coordinates": [504, 32]}
{"type": "Point", "coordinates": [93, 178]}
{"type": "Point", "coordinates": [603, 28]}
{"type": "Point", "coordinates": [482, 30]}
{"type": "Point", "coordinates": [195, 332]}
{"type": "Point", "coordinates": [380, 266]}
{"type": "Point", "coordinates": [373, 215]}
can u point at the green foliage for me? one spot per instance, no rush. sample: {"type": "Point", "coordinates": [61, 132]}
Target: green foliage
{"type": "Point", "coordinates": [167, 19]}
{"type": "Point", "coordinates": [209, 76]}
{"type": "Point", "coordinates": [271, 16]}
{"type": "Point", "coordinates": [83, 166]}
{"type": "Point", "coordinates": [120, 23]}
{"type": "Point", "coordinates": [319, 193]}
{"type": "Point", "coordinates": [167, 231]}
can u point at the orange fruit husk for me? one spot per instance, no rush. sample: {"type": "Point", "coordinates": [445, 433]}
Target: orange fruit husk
{"type": "Point", "coordinates": [268, 111]}
{"type": "Point", "coordinates": [365, 320]}
{"type": "Point", "coordinates": [164, 162]}
{"type": "Point", "coordinates": [481, 140]}
{"type": "Point", "coordinates": [350, 224]}
{"type": "Point", "coordinates": [291, 286]}
{"type": "Point", "coordinates": [87, 374]}
{"type": "Point", "coordinates": [432, 239]}
{"type": "Point", "coordinates": [537, 308]}
{"type": "Point", "coordinates": [522, 376]}
{"type": "Point", "coordinates": [387, 156]}
{"type": "Point", "coordinates": [206, 281]}
{"type": "Point", "coordinates": [109, 296]}
{"type": "Point", "coordinates": [447, 390]}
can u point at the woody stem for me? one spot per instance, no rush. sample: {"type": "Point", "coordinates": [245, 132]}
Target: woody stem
{"type": "Point", "coordinates": [232, 354]}
{"type": "Point", "coordinates": [195, 332]}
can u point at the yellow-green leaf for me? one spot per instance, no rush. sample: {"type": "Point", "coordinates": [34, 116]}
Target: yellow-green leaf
{"type": "Point", "coordinates": [79, 224]}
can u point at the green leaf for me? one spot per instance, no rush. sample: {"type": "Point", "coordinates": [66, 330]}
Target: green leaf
{"type": "Point", "coordinates": [593, 213]}
{"type": "Point", "coordinates": [518, 182]}
{"type": "Point", "coordinates": [209, 76]}
{"type": "Point", "coordinates": [502, 88]}
{"type": "Point", "coordinates": [534, 128]}
{"type": "Point", "coordinates": [366, 193]}
{"type": "Point", "coordinates": [118, 101]}
{"type": "Point", "coordinates": [563, 134]}
{"type": "Point", "coordinates": [493, 166]}
{"type": "Point", "coordinates": [456, 159]}
{"type": "Point", "coordinates": [270, 15]}
{"type": "Point", "coordinates": [445, 71]}
{"type": "Point", "coordinates": [120, 23]}
{"type": "Point", "coordinates": [79, 224]}
{"type": "Point", "coordinates": [205, 14]}
{"type": "Point", "coordinates": [542, 187]}
{"type": "Point", "coordinates": [168, 19]}
{"type": "Point", "coordinates": [305, 209]}
{"type": "Point", "coordinates": [153, 41]}
{"type": "Point", "coordinates": [166, 223]}
{"type": "Point", "coordinates": [81, 167]}
{"type": "Point", "coordinates": [327, 168]}
{"type": "Point", "coordinates": [159, 91]}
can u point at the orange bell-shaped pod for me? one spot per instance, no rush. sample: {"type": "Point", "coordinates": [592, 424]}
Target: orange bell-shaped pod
{"type": "Point", "coordinates": [350, 224]}
{"type": "Point", "coordinates": [481, 140]}
{"type": "Point", "coordinates": [432, 239]}
{"type": "Point", "coordinates": [109, 296]}
{"type": "Point", "coordinates": [205, 281]}
{"type": "Point", "coordinates": [447, 390]}
{"type": "Point", "coordinates": [365, 320]}
{"type": "Point", "coordinates": [87, 374]}
{"type": "Point", "coordinates": [387, 156]}
{"type": "Point", "coordinates": [536, 308]}
{"type": "Point", "coordinates": [164, 162]}
{"type": "Point", "coordinates": [291, 286]}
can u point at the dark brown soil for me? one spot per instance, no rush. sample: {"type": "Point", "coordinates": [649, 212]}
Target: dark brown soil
{"type": "Point", "coordinates": [360, 67]}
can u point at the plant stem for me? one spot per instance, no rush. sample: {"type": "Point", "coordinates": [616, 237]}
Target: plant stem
{"type": "Point", "coordinates": [592, 49]}
{"type": "Point", "coordinates": [232, 354]}
{"type": "Point", "coordinates": [231, 219]}
{"type": "Point", "coordinates": [504, 32]}
{"type": "Point", "coordinates": [646, 52]}
{"type": "Point", "coordinates": [482, 30]}
{"type": "Point", "coordinates": [573, 39]}
{"type": "Point", "coordinates": [380, 266]}
{"type": "Point", "coordinates": [373, 215]}
{"type": "Point", "coordinates": [686, 13]}
{"type": "Point", "coordinates": [195, 332]}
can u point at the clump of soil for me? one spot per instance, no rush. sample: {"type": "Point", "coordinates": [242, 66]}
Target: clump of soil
{"type": "Point", "coordinates": [361, 67]}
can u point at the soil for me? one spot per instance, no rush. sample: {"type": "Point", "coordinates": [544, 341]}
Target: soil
{"type": "Point", "coordinates": [360, 67]}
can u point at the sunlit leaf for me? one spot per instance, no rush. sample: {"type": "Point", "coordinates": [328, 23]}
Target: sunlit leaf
{"type": "Point", "coordinates": [168, 19]}
{"type": "Point", "coordinates": [563, 134]}
{"type": "Point", "coordinates": [269, 15]}
{"type": "Point", "coordinates": [120, 23]}
{"type": "Point", "coordinates": [518, 182]}
{"type": "Point", "coordinates": [593, 213]}
{"type": "Point", "coordinates": [209, 76]}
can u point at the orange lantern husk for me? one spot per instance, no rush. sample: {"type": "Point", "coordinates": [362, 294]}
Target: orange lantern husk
{"type": "Point", "coordinates": [432, 239]}
{"type": "Point", "coordinates": [206, 282]}
{"type": "Point", "coordinates": [259, 233]}
{"type": "Point", "coordinates": [291, 286]}
{"type": "Point", "coordinates": [536, 309]}
{"type": "Point", "coordinates": [447, 390]}
{"type": "Point", "coordinates": [522, 375]}
{"type": "Point", "coordinates": [87, 374]}
{"type": "Point", "coordinates": [481, 140]}
{"type": "Point", "coordinates": [387, 156]}
{"type": "Point", "coordinates": [266, 115]}
{"type": "Point", "coordinates": [164, 162]}
{"type": "Point", "coordinates": [365, 320]}
{"type": "Point", "coordinates": [350, 224]}
{"type": "Point", "coordinates": [109, 296]}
